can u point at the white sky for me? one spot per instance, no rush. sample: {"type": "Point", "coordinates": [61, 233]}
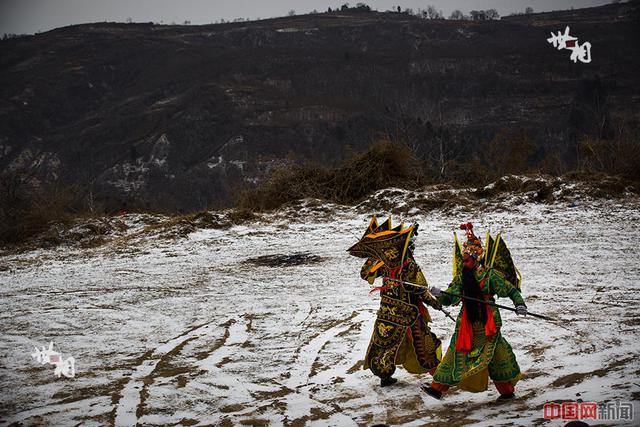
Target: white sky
{"type": "Point", "coordinates": [30, 16]}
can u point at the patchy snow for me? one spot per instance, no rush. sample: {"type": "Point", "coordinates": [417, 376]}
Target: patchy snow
{"type": "Point", "coordinates": [129, 176]}
{"type": "Point", "coordinates": [184, 330]}
{"type": "Point", "coordinates": [297, 30]}
{"type": "Point", "coordinates": [132, 176]}
{"type": "Point", "coordinates": [238, 163]}
{"type": "Point", "coordinates": [160, 152]}
{"type": "Point", "coordinates": [164, 102]}
{"type": "Point", "coordinates": [214, 162]}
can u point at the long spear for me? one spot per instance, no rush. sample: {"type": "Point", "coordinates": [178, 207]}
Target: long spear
{"type": "Point", "coordinates": [474, 299]}
{"type": "Point", "coordinates": [446, 313]}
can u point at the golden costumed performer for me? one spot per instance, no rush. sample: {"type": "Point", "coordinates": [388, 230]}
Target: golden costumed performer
{"type": "Point", "coordinates": [401, 335]}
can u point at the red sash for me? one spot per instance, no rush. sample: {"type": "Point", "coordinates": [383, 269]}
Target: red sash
{"type": "Point", "coordinates": [464, 343]}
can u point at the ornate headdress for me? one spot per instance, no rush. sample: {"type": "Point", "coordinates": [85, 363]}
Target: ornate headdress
{"type": "Point", "coordinates": [384, 243]}
{"type": "Point", "coordinates": [473, 245]}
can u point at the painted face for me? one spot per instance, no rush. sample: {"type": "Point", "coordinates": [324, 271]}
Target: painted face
{"type": "Point", "coordinates": [468, 261]}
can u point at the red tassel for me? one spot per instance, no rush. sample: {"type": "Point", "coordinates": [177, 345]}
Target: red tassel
{"type": "Point", "coordinates": [464, 341]}
{"type": "Point", "coordinates": [490, 327]}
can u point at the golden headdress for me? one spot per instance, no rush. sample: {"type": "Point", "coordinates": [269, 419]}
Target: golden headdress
{"type": "Point", "coordinates": [384, 243]}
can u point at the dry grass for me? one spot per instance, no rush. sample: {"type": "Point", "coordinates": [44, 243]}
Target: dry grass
{"type": "Point", "coordinates": [385, 164]}
{"type": "Point", "coordinates": [28, 208]}
{"type": "Point", "coordinates": [618, 156]}
{"type": "Point", "coordinates": [241, 215]}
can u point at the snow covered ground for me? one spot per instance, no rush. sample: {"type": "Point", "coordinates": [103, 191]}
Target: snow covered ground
{"type": "Point", "coordinates": [195, 331]}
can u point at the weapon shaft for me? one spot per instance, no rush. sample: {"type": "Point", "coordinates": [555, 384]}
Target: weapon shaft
{"type": "Point", "coordinates": [540, 316]}
{"type": "Point", "coordinates": [496, 305]}
{"type": "Point", "coordinates": [446, 313]}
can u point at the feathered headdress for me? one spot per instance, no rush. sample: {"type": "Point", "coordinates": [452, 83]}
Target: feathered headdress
{"type": "Point", "coordinates": [473, 245]}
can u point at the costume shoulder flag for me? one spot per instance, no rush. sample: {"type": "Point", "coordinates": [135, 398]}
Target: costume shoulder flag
{"type": "Point", "coordinates": [499, 257]}
{"type": "Point", "coordinates": [488, 248]}
{"type": "Point", "coordinates": [457, 256]}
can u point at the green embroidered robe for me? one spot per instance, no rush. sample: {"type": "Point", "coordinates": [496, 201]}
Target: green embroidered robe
{"type": "Point", "coordinates": [490, 357]}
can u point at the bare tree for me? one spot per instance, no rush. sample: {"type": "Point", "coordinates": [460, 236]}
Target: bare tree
{"type": "Point", "coordinates": [492, 14]}
{"type": "Point", "coordinates": [432, 13]}
{"type": "Point", "coordinates": [528, 9]}
{"type": "Point", "coordinates": [457, 15]}
{"type": "Point", "coordinates": [483, 15]}
{"type": "Point", "coordinates": [478, 15]}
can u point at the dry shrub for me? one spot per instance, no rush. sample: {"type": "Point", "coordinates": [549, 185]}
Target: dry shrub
{"type": "Point", "coordinates": [602, 185]}
{"type": "Point", "coordinates": [240, 215]}
{"type": "Point", "coordinates": [385, 164]}
{"type": "Point", "coordinates": [28, 208]}
{"type": "Point", "coordinates": [287, 183]}
{"type": "Point", "coordinates": [540, 187]}
{"type": "Point", "coordinates": [617, 156]}
{"type": "Point", "coordinates": [182, 225]}
{"type": "Point", "coordinates": [470, 172]}
{"type": "Point", "coordinates": [206, 219]}
{"type": "Point", "coordinates": [508, 153]}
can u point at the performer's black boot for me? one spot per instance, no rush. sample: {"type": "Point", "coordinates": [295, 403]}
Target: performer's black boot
{"type": "Point", "coordinates": [385, 382]}
{"type": "Point", "coordinates": [504, 397]}
{"type": "Point", "coordinates": [431, 391]}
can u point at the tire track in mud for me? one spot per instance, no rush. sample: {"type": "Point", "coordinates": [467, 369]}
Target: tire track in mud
{"type": "Point", "coordinates": [130, 403]}
{"type": "Point", "coordinates": [307, 353]}
{"type": "Point", "coordinates": [318, 369]}
{"type": "Point", "coordinates": [55, 408]}
{"type": "Point", "coordinates": [300, 404]}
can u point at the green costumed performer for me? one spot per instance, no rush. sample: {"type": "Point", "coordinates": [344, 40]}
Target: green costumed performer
{"type": "Point", "coordinates": [478, 350]}
{"type": "Point", "coordinates": [401, 335]}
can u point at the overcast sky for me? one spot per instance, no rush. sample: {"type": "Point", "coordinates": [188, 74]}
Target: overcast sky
{"type": "Point", "coordinates": [30, 16]}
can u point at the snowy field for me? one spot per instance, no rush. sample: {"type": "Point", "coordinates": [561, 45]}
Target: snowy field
{"type": "Point", "coordinates": [196, 331]}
